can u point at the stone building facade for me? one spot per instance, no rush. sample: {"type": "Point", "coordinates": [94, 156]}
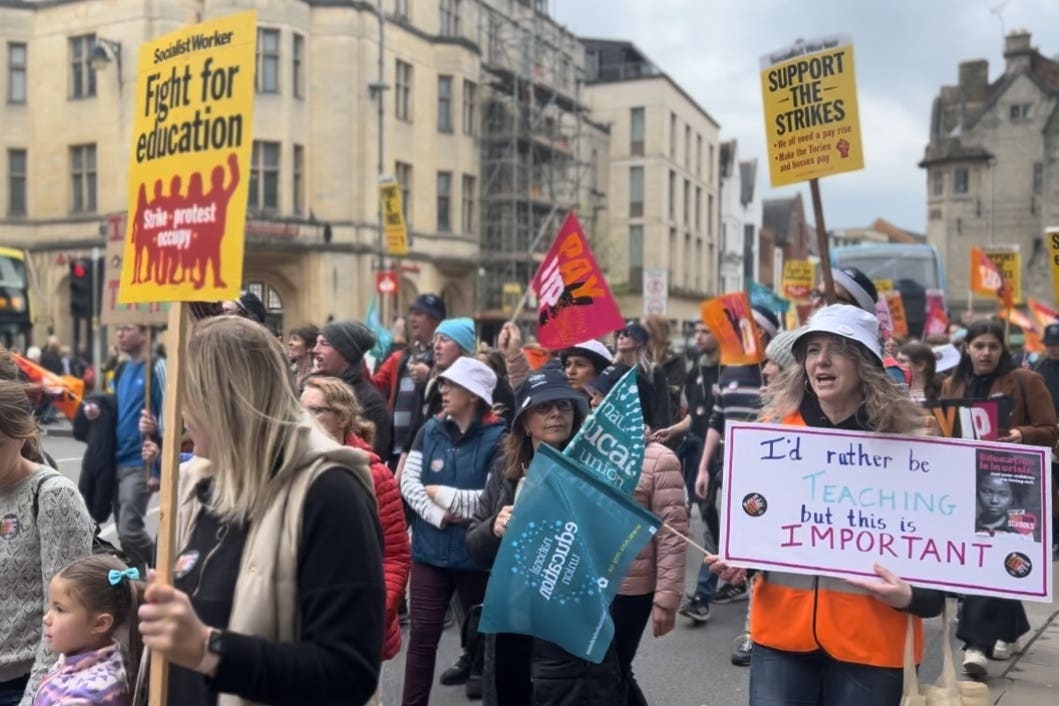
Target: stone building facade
{"type": "Point", "coordinates": [992, 165]}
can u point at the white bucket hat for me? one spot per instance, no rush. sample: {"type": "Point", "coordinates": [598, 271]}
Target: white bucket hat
{"type": "Point", "coordinates": [474, 376]}
{"type": "Point", "coordinates": [946, 357]}
{"type": "Point", "coordinates": [845, 321]}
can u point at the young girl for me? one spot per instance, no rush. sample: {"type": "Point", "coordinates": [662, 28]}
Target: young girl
{"type": "Point", "coordinates": [89, 601]}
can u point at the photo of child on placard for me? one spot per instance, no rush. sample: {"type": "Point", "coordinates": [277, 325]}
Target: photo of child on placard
{"type": "Point", "coordinates": [1007, 496]}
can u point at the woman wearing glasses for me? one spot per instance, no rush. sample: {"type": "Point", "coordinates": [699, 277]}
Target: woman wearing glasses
{"type": "Point", "coordinates": [521, 670]}
{"type": "Point", "coordinates": [442, 480]}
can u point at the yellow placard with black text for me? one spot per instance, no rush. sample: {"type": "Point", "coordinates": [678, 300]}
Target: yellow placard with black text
{"type": "Point", "coordinates": [812, 125]}
{"type": "Point", "coordinates": [798, 278]}
{"type": "Point", "coordinates": [394, 227]}
{"type": "Point", "coordinates": [189, 167]}
{"type": "Point", "coordinates": [1051, 236]}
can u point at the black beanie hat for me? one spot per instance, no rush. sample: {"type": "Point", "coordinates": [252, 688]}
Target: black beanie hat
{"type": "Point", "coordinates": [350, 338]}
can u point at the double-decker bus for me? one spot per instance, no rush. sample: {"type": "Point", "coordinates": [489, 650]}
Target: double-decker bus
{"type": "Point", "coordinates": [914, 268]}
{"type": "Point", "coordinates": [16, 316]}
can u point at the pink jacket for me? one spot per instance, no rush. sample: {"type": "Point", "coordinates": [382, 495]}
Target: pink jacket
{"type": "Point", "coordinates": [660, 566]}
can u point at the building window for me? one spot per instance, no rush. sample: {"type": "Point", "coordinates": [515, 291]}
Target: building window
{"type": "Point", "coordinates": [709, 217]}
{"type": "Point", "coordinates": [687, 147]}
{"type": "Point", "coordinates": [635, 192]}
{"type": "Point", "coordinates": [710, 167]}
{"type": "Point", "coordinates": [403, 91]}
{"type": "Point", "coordinates": [959, 181]}
{"type": "Point", "coordinates": [264, 177]}
{"type": "Point", "coordinates": [1038, 178]}
{"type": "Point", "coordinates": [16, 182]}
{"type": "Point", "coordinates": [698, 265]}
{"type": "Point", "coordinates": [82, 77]}
{"type": "Point", "coordinates": [444, 201]}
{"type": "Point", "coordinates": [673, 136]}
{"type": "Point", "coordinates": [1021, 112]}
{"type": "Point", "coordinates": [298, 66]}
{"type": "Point", "coordinates": [400, 9]}
{"type": "Point", "coordinates": [687, 202]}
{"type": "Point", "coordinates": [698, 209]}
{"type": "Point", "coordinates": [698, 156]}
{"type": "Point", "coordinates": [450, 18]}
{"type": "Point", "coordinates": [470, 112]}
{"type": "Point", "coordinates": [689, 262]}
{"type": "Point", "coordinates": [938, 182]}
{"type": "Point", "coordinates": [468, 194]}
{"type": "Point", "coordinates": [83, 178]}
{"type": "Point", "coordinates": [637, 125]}
{"type": "Point", "coordinates": [16, 72]}
{"type": "Point", "coordinates": [674, 256]}
{"type": "Point", "coordinates": [404, 178]}
{"type": "Point", "coordinates": [444, 103]}
{"type": "Point", "coordinates": [268, 60]}
{"type": "Point", "coordinates": [635, 246]}
{"type": "Point", "coordinates": [299, 179]}
{"type": "Point", "coordinates": [672, 195]}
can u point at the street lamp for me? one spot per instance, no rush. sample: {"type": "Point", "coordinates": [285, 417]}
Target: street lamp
{"type": "Point", "coordinates": [101, 54]}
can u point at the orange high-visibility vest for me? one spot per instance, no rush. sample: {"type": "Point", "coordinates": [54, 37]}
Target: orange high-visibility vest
{"type": "Point", "coordinates": [797, 613]}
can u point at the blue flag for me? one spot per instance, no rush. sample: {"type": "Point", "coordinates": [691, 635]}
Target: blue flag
{"type": "Point", "coordinates": [570, 542]}
{"type": "Point", "coordinates": [760, 295]}
{"type": "Point", "coordinates": [383, 337]}
{"type": "Point", "coordinates": [611, 441]}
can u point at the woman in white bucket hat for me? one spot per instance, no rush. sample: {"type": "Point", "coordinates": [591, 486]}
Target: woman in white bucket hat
{"type": "Point", "coordinates": [818, 639]}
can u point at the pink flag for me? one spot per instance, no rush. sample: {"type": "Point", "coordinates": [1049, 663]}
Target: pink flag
{"type": "Point", "coordinates": [937, 321]}
{"type": "Point", "coordinates": [575, 302]}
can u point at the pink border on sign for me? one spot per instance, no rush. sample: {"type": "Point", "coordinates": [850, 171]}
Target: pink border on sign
{"type": "Point", "coordinates": [814, 431]}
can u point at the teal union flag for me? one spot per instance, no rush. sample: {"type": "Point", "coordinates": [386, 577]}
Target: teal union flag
{"type": "Point", "coordinates": [570, 541]}
{"type": "Point", "coordinates": [611, 441]}
{"type": "Point", "coordinates": [760, 295]}
{"type": "Point", "coordinates": [383, 337]}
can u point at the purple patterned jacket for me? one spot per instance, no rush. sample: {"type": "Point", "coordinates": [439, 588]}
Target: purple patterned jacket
{"type": "Point", "coordinates": [94, 678]}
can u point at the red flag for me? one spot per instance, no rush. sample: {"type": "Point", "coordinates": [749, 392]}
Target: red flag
{"type": "Point", "coordinates": [66, 391]}
{"type": "Point", "coordinates": [937, 321]}
{"type": "Point", "coordinates": [575, 301]}
{"type": "Point", "coordinates": [1043, 313]}
{"type": "Point", "coordinates": [986, 279]}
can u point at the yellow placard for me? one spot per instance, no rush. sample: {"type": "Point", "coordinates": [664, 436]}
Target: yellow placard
{"type": "Point", "coordinates": [1052, 237]}
{"type": "Point", "coordinates": [883, 286]}
{"type": "Point", "coordinates": [898, 319]}
{"type": "Point", "coordinates": [393, 218]}
{"type": "Point", "coordinates": [798, 278]}
{"type": "Point", "coordinates": [189, 168]}
{"type": "Point", "coordinates": [111, 313]}
{"type": "Point", "coordinates": [812, 126]}
{"type": "Point", "coordinates": [1008, 261]}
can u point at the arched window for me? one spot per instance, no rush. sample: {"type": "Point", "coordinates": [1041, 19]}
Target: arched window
{"type": "Point", "coordinates": [273, 302]}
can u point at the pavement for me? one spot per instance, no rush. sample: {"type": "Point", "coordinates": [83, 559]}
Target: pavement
{"type": "Point", "coordinates": [1032, 676]}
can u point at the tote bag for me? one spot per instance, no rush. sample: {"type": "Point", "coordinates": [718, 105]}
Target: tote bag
{"type": "Point", "coordinates": [946, 691]}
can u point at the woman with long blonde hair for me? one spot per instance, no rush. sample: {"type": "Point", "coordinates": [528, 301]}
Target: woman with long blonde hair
{"type": "Point", "coordinates": [266, 606]}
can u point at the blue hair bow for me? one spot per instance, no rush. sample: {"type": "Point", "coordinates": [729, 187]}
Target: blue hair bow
{"type": "Point", "coordinates": [116, 576]}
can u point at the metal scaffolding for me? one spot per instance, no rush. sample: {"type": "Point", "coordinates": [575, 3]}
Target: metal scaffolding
{"type": "Point", "coordinates": [530, 143]}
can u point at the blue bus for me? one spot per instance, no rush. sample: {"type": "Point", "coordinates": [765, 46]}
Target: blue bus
{"type": "Point", "coordinates": [914, 268]}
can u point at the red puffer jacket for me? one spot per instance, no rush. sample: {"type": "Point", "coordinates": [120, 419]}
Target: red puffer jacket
{"type": "Point", "coordinates": [397, 555]}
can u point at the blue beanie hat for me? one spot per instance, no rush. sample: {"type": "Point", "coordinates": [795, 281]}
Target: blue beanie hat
{"type": "Point", "coordinates": [459, 330]}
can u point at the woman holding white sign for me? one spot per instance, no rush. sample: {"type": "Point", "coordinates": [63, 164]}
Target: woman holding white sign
{"type": "Point", "coordinates": [821, 640]}
{"type": "Point", "coordinates": [992, 627]}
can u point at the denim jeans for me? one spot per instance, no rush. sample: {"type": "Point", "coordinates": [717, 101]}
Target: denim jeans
{"type": "Point", "coordinates": [11, 691]}
{"type": "Point", "coordinates": [130, 508]}
{"type": "Point", "coordinates": [780, 678]}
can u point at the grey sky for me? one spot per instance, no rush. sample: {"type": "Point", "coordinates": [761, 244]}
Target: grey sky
{"type": "Point", "coordinates": [904, 51]}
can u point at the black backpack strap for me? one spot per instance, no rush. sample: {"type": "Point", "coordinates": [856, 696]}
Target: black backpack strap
{"type": "Point", "coordinates": [36, 491]}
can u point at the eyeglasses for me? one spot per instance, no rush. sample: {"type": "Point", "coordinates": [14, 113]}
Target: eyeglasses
{"type": "Point", "coordinates": [548, 406]}
{"type": "Point", "coordinates": [317, 411]}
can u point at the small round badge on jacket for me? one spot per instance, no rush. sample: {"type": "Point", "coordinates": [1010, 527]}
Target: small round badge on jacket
{"type": "Point", "coordinates": [185, 563]}
{"type": "Point", "coordinates": [437, 465]}
{"type": "Point", "coordinates": [10, 527]}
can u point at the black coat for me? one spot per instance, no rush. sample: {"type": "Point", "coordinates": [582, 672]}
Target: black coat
{"type": "Point", "coordinates": [98, 467]}
{"type": "Point", "coordinates": [373, 407]}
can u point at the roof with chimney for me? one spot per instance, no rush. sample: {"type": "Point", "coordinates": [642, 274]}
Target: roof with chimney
{"type": "Point", "coordinates": [776, 216]}
{"type": "Point", "coordinates": [747, 180]}
{"type": "Point", "coordinates": [958, 109]}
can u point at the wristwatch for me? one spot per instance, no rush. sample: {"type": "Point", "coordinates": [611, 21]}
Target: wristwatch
{"type": "Point", "coordinates": [213, 652]}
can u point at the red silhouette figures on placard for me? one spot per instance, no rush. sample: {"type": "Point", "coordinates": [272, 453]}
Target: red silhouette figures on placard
{"type": "Point", "coordinates": [176, 237]}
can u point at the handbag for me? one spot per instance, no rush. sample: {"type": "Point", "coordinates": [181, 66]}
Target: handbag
{"type": "Point", "coordinates": [946, 691]}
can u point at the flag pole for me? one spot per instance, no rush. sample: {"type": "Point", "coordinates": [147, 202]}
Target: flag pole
{"type": "Point", "coordinates": [688, 540]}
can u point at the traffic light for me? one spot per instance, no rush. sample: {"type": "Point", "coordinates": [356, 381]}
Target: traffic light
{"type": "Point", "coordinates": [81, 284]}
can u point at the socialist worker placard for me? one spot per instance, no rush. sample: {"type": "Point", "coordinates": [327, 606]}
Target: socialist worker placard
{"type": "Point", "coordinates": [189, 163]}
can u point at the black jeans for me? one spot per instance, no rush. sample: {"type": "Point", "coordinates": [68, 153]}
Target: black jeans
{"type": "Point", "coordinates": [630, 615]}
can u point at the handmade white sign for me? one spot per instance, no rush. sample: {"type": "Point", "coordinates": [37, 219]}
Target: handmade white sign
{"type": "Point", "coordinates": [968, 517]}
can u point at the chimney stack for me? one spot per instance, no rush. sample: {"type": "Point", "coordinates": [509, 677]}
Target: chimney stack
{"type": "Point", "coordinates": [1017, 50]}
{"type": "Point", "coordinates": [974, 81]}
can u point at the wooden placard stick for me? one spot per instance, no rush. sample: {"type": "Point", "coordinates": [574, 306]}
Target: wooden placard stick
{"type": "Point", "coordinates": [821, 242]}
{"type": "Point", "coordinates": [179, 332]}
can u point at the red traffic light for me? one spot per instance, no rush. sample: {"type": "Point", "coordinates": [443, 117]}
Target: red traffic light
{"type": "Point", "coordinates": [79, 270]}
